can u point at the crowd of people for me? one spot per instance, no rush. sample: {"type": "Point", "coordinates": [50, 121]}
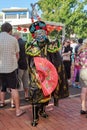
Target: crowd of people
{"type": "Point", "coordinates": [76, 67]}
{"type": "Point", "coordinates": [69, 53]}
{"type": "Point", "coordinates": [17, 68]}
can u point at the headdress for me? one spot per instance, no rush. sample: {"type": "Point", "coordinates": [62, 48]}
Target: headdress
{"type": "Point", "coordinates": [39, 31]}
{"type": "Point", "coordinates": [38, 28]}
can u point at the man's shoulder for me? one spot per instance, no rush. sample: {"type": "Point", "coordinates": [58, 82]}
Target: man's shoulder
{"type": "Point", "coordinates": [13, 38]}
{"type": "Point", "coordinates": [21, 41]}
{"type": "Point", "coordinates": [7, 35]}
{"type": "Point", "coordinates": [3, 33]}
{"type": "Point", "coordinates": [77, 46]}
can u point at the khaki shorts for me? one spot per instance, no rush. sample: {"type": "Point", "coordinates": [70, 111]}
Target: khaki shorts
{"type": "Point", "coordinates": [23, 76]}
{"type": "Point", "coordinates": [83, 77]}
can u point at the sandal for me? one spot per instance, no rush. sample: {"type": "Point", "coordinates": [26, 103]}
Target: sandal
{"type": "Point", "coordinates": [2, 105]}
{"type": "Point", "coordinates": [26, 99]}
{"type": "Point", "coordinates": [20, 113]}
{"type": "Point", "coordinates": [12, 105]}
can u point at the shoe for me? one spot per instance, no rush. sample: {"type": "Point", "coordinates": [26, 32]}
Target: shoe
{"type": "Point", "coordinates": [82, 112]}
{"type": "Point", "coordinates": [2, 105]}
{"type": "Point", "coordinates": [20, 113]}
{"type": "Point", "coordinates": [43, 114]}
{"type": "Point", "coordinates": [12, 105]}
{"type": "Point", "coordinates": [78, 86]}
{"type": "Point", "coordinates": [34, 123]}
{"type": "Point", "coordinates": [27, 99]}
{"type": "Point", "coordinates": [74, 85]}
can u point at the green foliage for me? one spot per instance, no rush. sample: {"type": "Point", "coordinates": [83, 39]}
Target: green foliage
{"type": "Point", "coordinates": [55, 34]}
{"type": "Point", "coordinates": [72, 13]}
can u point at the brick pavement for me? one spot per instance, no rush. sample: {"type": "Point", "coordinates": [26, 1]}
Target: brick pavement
{"type": "Point", "coordinates": [64, 117]}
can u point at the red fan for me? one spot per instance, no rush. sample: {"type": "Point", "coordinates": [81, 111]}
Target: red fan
{"type": "Point", "coordinates": [47, 75]}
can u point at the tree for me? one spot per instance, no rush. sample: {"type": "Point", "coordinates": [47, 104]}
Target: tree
{"type": "Point", "coordinates": [72, 13]}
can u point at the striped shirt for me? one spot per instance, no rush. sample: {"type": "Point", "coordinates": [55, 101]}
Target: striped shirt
{"type": "Point", "coordinates": [8, 49]}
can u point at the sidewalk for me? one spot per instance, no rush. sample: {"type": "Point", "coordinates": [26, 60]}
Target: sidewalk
{"type": "Point", "coordinates": [64, 117]}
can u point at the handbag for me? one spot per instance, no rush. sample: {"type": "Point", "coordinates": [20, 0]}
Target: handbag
{"type": "Point", "coordinates": [66, 58]}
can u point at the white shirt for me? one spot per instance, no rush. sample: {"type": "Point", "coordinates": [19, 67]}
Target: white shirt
{"type": "Point", "coordinates": [8, 49]}
{"type": "Point", "coordinates": [73, 45]}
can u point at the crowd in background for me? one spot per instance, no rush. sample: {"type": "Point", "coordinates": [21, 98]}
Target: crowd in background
{"type": "Point", "coordinates": [69, 53]}
{"type": "Point", "coordinates": [76, 68]}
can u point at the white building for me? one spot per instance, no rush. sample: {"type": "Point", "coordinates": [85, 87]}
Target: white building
{"type": "Point", "coordinates": [21, 17]}
{"type": "Point", "coordinates": [15, 15]}
{"type": "Point", "coordinates": [1, 18]}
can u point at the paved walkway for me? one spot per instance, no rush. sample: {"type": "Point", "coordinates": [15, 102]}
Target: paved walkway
{"type": "Point", "coordinates": [64, 117]}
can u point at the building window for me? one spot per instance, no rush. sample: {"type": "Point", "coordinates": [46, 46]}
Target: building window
{"type": "Point", "coordinates": [22, 16]}
{"type": "Point", "coordinates": [10, 16]}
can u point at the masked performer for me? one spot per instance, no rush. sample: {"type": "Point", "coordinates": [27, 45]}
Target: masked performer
{"type": "Point", "coordinates": [54, 56]}
{"type": "Point", "coordinates": [38, 48]}
{"type": "Point", "coordinates": [41, 46]}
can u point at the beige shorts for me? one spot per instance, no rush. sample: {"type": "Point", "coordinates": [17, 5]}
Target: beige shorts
{"type": "Point", "coordinates": [83, 77]}
{"type": "Point", "coordinates": [23, 76]}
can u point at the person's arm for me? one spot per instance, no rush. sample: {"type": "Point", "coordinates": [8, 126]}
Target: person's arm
{"type": "Point", "coordinates": [17, 56]}
{"type": "Point", "coordinates": [17, 49]}
{"type": "Point", "coordinates": [66, 53]}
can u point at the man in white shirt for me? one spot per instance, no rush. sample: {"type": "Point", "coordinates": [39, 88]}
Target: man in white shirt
{"type": "Point", "coordinates": [9, 55]}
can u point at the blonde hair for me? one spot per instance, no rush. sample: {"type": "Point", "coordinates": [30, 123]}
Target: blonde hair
{"type": "Point", "coordinates": [83, 46]}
